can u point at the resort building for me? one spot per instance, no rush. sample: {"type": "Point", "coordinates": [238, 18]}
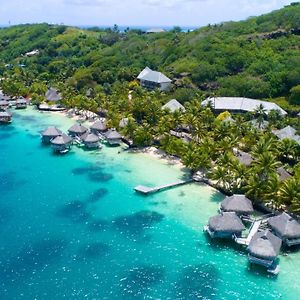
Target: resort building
{"type": "Point", "coordinates": [61, 143]}
{"type": "Point", "coordinates": [21, 103]}
{"type": "Point", "coordinates": [123, 123]}
{"type": "Point", "coordinates": [113, 137]}
{"type": "Point", "coordinates": [98, 127]}
{"type": "Point", "coordinates": [225, 225]}
{"type": "Point", "coordinates": [240, 105]}
{"type": "Point", "coordinates": [239, 204]}
{"type": "Point", "coordinates": [264, 248]}
{"type": "Point", "coordinates": [49, 134]}
{"type": "Point", "coordinates": [173, 105]}
{"type": "Point", "coordinates": [287, 132]}
{"type": "Point", "coordinates": [5, 116]}
{"type": "Point", "coordinates": [259, 125]}
{"type": "Point", "coordinates": [154, 80]}
{"type": "Point", "coordinates": [286, 228]}
{"type": "Point", "coordinates": [91, 140]}
{"type": "Point", "coordinates": [77, 130]}
{"type": "Point", "coordinates": [244, 158]}
{"type": "Point", "coordinates": [52, 95]}
{"type": "Point", "coordinates": [4, 104]}
{"type": "Point", "coordinates": [155, 30]}
{"type": "Point", "coordinates": [283, 174]}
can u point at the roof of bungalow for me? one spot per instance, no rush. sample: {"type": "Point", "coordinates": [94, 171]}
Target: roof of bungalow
{"type": "Point", "coordinates": [264, 124]}
{"type": "Point", "coordinates": [287, 132]}
{"type": "Point", "coordinates": [155, 30]}
{"type": "Point", "coordinates": [53, 95]}
{"type": "Point", "coordinates": [283, 174]}
{"type": "Point", "coordinates": [173, 105]}
{"type": "Point", "coordinates": [4, 102]}
{"type": "Point", "coordinates": [77, 129]}
{"type": "Point", "coordinates": [226, 222]}
{"type": "Point", "coordinates": [99, 125]}
{"type": "Point", "coordinates": [62, 139]}
{"type": "Point", "coordinates": [241, 104]}
{"type": "Point", "coordinates": [285, 226]}
{"type": "Point", "coordinates": [5, 114]}
{"type": "Point", "coordinates": [265, 244]}
{"type": "Point", "coordinates": [21, 101]}
{"type": "Point", "coordinates": [4, 97]}
{"type": "Point", "coordinates": [153, 76]}
{"type": "Point", "coordinates": [90, 138]}
{"type": "Point", "coordinates": [123, 123]}
{"type": "Point", "coordinates": [237, 203]}
{"type": "Point", "coordinates": [113, 134]}
{"type": "Point", "coordinates": [244, 158]}
{"type": "Point", "coordinates": [51, 131]}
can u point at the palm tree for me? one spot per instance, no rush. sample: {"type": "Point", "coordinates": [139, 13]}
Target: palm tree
{"type": "Point", "coordinates": [289, 194]}
{"type": "Point", "coordinates": [288, 150]}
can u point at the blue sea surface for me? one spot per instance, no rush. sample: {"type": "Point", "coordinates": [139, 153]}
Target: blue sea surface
{"type": "Point", "coordinates": [72, 227]}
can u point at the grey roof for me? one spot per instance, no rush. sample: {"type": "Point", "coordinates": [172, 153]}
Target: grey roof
{"type": "Point", "coordinates": [244, 158]}
{"type": "Point", "coordinates": [90, 138]}
{"type": "Point", "coordinates": [283, 174]}
{"type": "Point", "coordinates": [51, 132]}
{"type": "Point", "coordinates": [5, 114]}
{"type": "Point", "coordinates": [78, 129]}
{"type": "Point", "coordinates": [238, 204]}
{"type": "Point", "coordinates": [153, 76]}
{"type": "Point", "coordinates": [62, 139]}
{"type": "Point", "coordinates": [173, 105]}
{"type": "Point", "coordinates": [123, 123]}
{"type": "Point", "coordinates": [285, 226]}
{"type": "Point", "coordinates": [264, 124]}
{"type": "Point", "coordinates": [155, 30]}
{"type": "Point", "coordinates": [226, 222]}
{"type": "Point", "coordinates": [4, 97]}
{"type": "Point", "coordinates": [241, 104]}
{"type": "Point", "coordinates": [53, 95]}
{"type": "Point", "coordinates": [99, 125]}
{"type": "Point", "coordinates": [4, 103]}
{"type": "Point", "coordinates": [21, 101]}
{"type": "Point", "coordinates": [265, 245]}
{"type": "Point", "coordinates": [287, 132]}
{"type": "Point", "coordinates": [113, 134]}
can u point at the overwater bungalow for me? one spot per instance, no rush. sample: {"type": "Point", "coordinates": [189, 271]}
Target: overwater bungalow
{"type": "Point", "coordinates": [264, 248]}
{"type": "Point", "coordinates": [5, 117]}
{"type": "Point", "coordinates": [239, 204]}
{"type": "Point", "coordinates": [4, 104]}
{"type": "Point", "coordinates": [77, 130]}
{"type": "Point", "coordinates": [61, 143]}
{"type": "Point", "coordinates": [21, 103]}
{"type": "Point", "coordinates": [98, 127]}
{"type": "Point", "coordinates": [49, 134]}
{"type": "Point", "coordinates": [225, 225]}
{"type": "Point", "coordinates": [113, 137]}
{"type": "Point", "coordinates": [173, 105]}
{"type": "Point", "coordinates": [286, 228]}
{"type": "Point", "coordinates": [91, 140]}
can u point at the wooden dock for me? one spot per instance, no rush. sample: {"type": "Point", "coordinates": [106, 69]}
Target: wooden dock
{"type": "Point", "coordinates": [254, 228]}
{"type": "Point", "coordinates": [150, 190]}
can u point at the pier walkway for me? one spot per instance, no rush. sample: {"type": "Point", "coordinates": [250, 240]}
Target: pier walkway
{"type": "Point", "coordinates": [254, 228]}
{"type": "Point", "coordinates": [149, 190]}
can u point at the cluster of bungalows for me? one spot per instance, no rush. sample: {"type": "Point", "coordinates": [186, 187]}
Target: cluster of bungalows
{"type": "Point", "coordinates": [80, 135]}
{"type": "Point", "coordinates": [263, 244]}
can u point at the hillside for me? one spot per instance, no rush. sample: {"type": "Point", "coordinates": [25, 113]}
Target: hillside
{"type": "Point", "coordinates": [258, 58]}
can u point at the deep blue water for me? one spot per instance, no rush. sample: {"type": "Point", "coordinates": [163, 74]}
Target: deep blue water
{"type": "Point", "coordinates": [71, 227]}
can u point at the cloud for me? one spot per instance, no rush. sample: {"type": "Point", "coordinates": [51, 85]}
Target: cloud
{"type": "Point", "coordinates": [87, 2]}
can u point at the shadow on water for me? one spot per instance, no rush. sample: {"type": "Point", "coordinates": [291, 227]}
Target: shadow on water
{"type": "Point", "coordinates": [93, 250]}
{"type": "Point", "coordinates": [9, 182]}
{"type": "Point", "coordinates": [140, 280]}
{"type": "Point", "coordinates": [134, 225]}
{"type": "Point", "coordinates": [32, 258]}
{"type": "Point", "coordinates": [75, 211]}
{"type": "Point", "coordinates": [97, 195]}
{"type": "Point", "coordinates": [98, 225]}
{"type": "Point", "coordinates": [197, 282]}
{"type": "Point", "coordinates": [93, 172]}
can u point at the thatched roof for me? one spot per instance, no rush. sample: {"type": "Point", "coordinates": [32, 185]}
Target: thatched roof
{"type": "Point", "coordinates": [5, 114]}
{"type": "Point", "coordinates": [244, 158]}
{"type": "Point", "coordinates": [53, 95]}
{"type": "Point", "coordinates": [285, 226]}
{"type": "Point", "coordinates": [226, 222]}
{"type": "Point", "coordinates": [51, 132]}
{"type": "Point", "coordinates": [287, 132]}
{"type": "Point", "coordinates": [113, 134]}
{"type": "Point", "coordinates": [123, 123]}
{"type": "Point", "coordinates": [264, 124]}
{"type": "Point", "coordinates": [90, 138]}
{"type": "Point", "coordinates": [265, 245]}
{"type": "Point", "coordinates": [78, 129]}
{"type": "Point", "coordinates": [283, 174]}
{"type": "Point", "coordinates": [21, 101]}
{"type": "Point", "coordinates": [99, 126]}
{"type": "Point", "coordinates": [237, 203]}
{"type": "Point", "coordinates": [173, 105]}
{"type": "Point", "coordinates": [61, 140]}
{"type": "Point", "coordinates": [153, 76]}
{"type": "Point", "coordinates": [4, 103]}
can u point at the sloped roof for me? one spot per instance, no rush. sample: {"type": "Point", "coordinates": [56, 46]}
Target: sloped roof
{"type": "Point", "coordinates": [51, 132]}
{"type": "Point", "coordinates": [241, 104]}
{"type": "Point", "coordinates": [155, 30]}
{"type": "Point", "coordinates": [90, 138]}
{"type": "Point", "coordinates": [265, 245]}
{"type": "Point", "coordinates": [123, 122]}
{"type": "Point", "coordinates": [99, 125]}
{"type": "Point", "coordinates": [257, 125]}
{"type": "Point", "coordinates": [113, 134]}
{"type": "Point", "coordinates": [173, 105]}
{"type": "Point", "coordinates": [4, 103]}
{"type": "Point", "coordinates": [244, 158]}
{"type": "Point", "coordinates": [287, 132]}
{"type": "Point", "coordinates": [285, 225]}
{"type": "Point", "coordinates": [226, 222]}
{"type": "Point", "coordinates": [77, 129]}
{"type": "Point", "coordinates": [61, 140]}
{"type": "Point", "coordinates": [153, 76]}
{"type": "Point", "coordinates": [283, 174]}
{"type": "Point", "coordinates": [238, 204]}
{"type": "Point", "coordinates": [5, 114]}
{"type": "Point", "coordinates": [53, 95]}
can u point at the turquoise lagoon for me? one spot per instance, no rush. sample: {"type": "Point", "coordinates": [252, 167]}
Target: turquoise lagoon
{"type": "Point", "coordinates": [71, 227]}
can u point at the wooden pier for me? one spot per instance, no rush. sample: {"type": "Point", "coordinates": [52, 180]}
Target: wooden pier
{"type": "Point", "coordinates": [150, 190]}
{"type": "Point", "coordinates": [254, 228]}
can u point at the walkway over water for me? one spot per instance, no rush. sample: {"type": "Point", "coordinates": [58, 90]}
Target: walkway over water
{"type": "Point", "coordinates": [148, 190]}
{"type": "Point", "coordinates": [254, 228]}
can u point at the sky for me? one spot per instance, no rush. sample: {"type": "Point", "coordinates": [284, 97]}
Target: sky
{"type": "Point", "coordinates": [133, 12]}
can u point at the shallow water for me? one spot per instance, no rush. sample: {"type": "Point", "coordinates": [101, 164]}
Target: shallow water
{"type": "Point", "coordinates": [71, 227]}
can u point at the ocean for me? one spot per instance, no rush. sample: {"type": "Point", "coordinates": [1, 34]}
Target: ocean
{"type": "Point", "coordinates": [72, 227]}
